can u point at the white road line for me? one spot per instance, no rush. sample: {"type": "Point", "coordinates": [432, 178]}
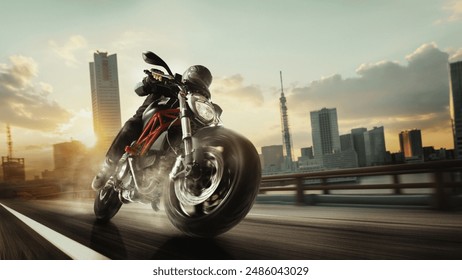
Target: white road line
{"type": "Point", "coordinates": [70, 247]}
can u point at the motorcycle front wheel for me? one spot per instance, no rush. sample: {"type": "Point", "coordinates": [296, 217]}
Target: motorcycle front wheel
{"type": "Point", "coordinates": [231, 174]}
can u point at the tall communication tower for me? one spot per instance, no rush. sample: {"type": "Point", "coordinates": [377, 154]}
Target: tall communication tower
{"type": "Point", "coordinates": [9, 141]}
{"type": "Point", "coordinates": [287, 141]}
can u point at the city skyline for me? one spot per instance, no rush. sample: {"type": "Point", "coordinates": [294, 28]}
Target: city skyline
{"type": "Point", "coordinates": [359, 148]}
{"type": "Point", "coordinates": [392, 71]}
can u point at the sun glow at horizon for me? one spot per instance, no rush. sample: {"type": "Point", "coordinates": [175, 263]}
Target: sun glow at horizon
{"type": "Point", "coordinates": [89, 141]}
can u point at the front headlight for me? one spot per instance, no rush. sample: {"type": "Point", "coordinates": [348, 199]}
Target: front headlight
{"type": "Point", "coordinates": [205, 111]}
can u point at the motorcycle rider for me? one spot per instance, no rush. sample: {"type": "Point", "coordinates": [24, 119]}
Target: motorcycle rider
{"type": "Point", "coordinates": [196, 78]}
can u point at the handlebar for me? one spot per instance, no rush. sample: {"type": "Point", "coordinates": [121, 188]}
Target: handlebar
{"type": "Point", "coordinates": [167, 79]}
{"type": "Point", "coordinates": [158, 75]}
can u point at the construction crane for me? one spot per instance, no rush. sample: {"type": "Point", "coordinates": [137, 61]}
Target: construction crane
{"type": "Point", "coordinates": [13, 168]}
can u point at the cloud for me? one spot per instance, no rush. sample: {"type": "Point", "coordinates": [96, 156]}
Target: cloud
{"type": "Point", "coordinates": [68, 50]}
{"type": "Point", "coordinates": [455, 55]}
{"type": "Point", "coordinates": [37, 147]}
{"type": "Point", "coordinates": [233, 88]}
{"type": "Point", "coordinates": [19, 73]}
{"type": "Point", "coordinates": [385, 93]}
{"type": "Point", "coordinates": [453, 9]}
{"type": "Point", "coordinates": [25, 103]}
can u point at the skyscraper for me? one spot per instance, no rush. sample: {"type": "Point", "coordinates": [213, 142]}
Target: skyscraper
{"type": "Point", "coordinates": [455, 99]}
{"type": "Point", "coordinates": [346, 142]}
{"type": "Point", "coordinates": [374, 140]}
{"type": "Point", "coordinates": [273, 158]}
{"type": "Point", "coordinates": [307, 152]}
{"type": "Point", "coordinates": [325, 134]}
{"type": "Point", "coordinates": [410, 142]}
{"type": "Point", "coordinates": [105, 97]}
{"type": "Point", "coordinates": [327, 144]}
{"type": "Point", "coordinates": [359, 145]}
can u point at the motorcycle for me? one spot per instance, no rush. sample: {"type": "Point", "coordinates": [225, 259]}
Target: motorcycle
{"type": "Point", "coordinates": [207, 175]}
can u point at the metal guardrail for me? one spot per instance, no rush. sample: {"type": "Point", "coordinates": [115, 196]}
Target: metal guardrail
{"type": "Point", "coordinates": [444, 186]}
{"type": "Point", "coordinates": [445, 183]}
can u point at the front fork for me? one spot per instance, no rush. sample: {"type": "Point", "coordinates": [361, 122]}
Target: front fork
{"type": "Point", "coordinates": [187, 163]}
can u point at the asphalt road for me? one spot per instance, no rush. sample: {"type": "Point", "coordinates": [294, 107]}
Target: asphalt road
{"type": "Point", "coordinates": [269, 232]}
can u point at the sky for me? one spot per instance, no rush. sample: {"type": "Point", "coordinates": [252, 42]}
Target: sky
{"type": "Point", "coordinates": [379, 63]}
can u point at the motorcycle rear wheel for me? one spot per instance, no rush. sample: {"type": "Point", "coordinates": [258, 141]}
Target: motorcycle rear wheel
{"type": "Point", "coordinates": [235, 185]}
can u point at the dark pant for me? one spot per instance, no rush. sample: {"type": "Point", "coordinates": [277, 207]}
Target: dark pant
{"type": "Point", "coordinates": [129, 132]}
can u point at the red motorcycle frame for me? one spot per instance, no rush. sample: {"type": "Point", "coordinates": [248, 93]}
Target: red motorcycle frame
{"type": "Point", "coordinates": [158, 123]}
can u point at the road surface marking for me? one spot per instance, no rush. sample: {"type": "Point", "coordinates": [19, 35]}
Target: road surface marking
{"type": "Point", "coordinates": [70, 247]}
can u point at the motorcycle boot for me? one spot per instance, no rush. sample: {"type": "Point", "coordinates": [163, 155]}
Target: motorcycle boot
{"type": "Point", "coordinates": [103, 175]}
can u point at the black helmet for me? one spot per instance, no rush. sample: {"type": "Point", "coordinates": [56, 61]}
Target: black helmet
{"type": "Point", "coordinates": [199, 77]}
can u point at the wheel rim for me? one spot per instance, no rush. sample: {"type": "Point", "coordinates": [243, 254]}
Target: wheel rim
{"type": "Point", "coordinates": [206, 199]}
{"type": "Point", "coordinates": [103, 194]}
